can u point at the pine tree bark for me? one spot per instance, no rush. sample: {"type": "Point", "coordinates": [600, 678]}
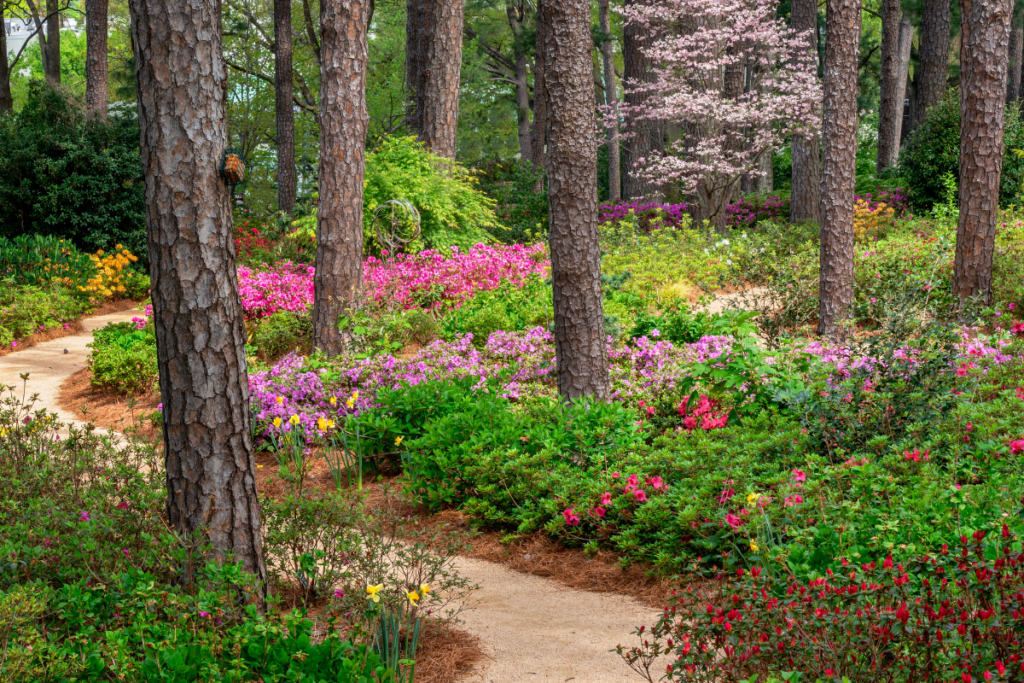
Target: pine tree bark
{"type": "Point", "coordinates": [611, 100]}
{"type": "Point", "coordinates": [285, 112]}
{"type": "Point", "coordinates": [51, 65]}
{"type": "Point", "coordinates": [539, 132]}
{"type": "Point", "coordinates": [985, 35]}
{"type": "Point", "coordinates": [197, 312]}
{"type": "Point", "coordinates": [646, 136]}
{"type": "Point", "coordinates": [337, 284]}
{"type": "Point", "coordinates": [580, 340]}
{"type": "Point", "coordinates": [441, 74]}
{"type": "Point", "coordinates": [516, 13]}
{"type": "Point", "coordinates": [415, 33]}
{"type": "Point", "coordinates": [6, 99]}
{"type": "Point", "coordinates": [1016, 54]}
{"type": "Point", "coordinates": [838, 165]}
{"type": "Point", "coordinates": [805, 188]}
{"type": "Point", "coordinates": [903, 78]}
{"type": "Point", "coordinates": [932, 74]}
{"type": "Point", "coordinates": [890, 110]}
{"type": "Point", "coordinates": [96, 58]}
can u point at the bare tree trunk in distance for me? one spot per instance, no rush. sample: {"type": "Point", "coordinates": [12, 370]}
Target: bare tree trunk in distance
{"type": "Point", "coordinates": [414, 34]}
{"type": "Point", "coordinates": [337, 284]}
{"type": "Point", "coordinates": [539, 132]}
{"type": "Point", "coordinates": [838, 166]}
{"type": "Point", "coordinates": [440, 76]}
{"type": "Point", "coordinates": [516, 13]}
{"type": "Point", "coordinates": [906, 48]}
{"type": "Point", "coordinates": [1016, 54]}
{"type": "Point", "coordinates": [96, 57]}
{"type": "Point", "coordinates": [646, 138]}
{"type": "Point", "coordinates": [200, 334]}
{"type": "Point", "coordinates": [286, 174]}
{"type": "Point", "coordinates": [611, 99]}
{"type": "Point", "coordinates": [805, 195]}
{"type": "Point", "coordinates": [51, 65]}
{"type": "Point", "coordinates": [6, 99]}
{"type": "Point", "coordinates": [890, 109]}
{"type": "Point", "coordinates": [985, 34]}
{"type": "Point", "coordinates": [932, 71]}
{"type": "Point", "coordinates": [580, 340]}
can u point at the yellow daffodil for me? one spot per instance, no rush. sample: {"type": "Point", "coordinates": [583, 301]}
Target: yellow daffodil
{"type": "Point", "coordinates": [413, 597]}
{"type": "Point", "coordinates": [277, 422]}
{"type": "Point", "coordinates": [280, 400]}
{"type": "Point", "coordinates": [330, 424]}
{"type": "Point", "coordinates": [753, 498]}
{"type": "Point", "coordinates": [373, 592]}
{"type": "Point", "coordinates": [753, 546]}
{"type": "Point", "coordinates": [398, 441]}
{"type": "Point", "coordinates": [3, 432]}
{"type": "Point", "coordinates": [334, 400]}
{"type": "Point", "coordinates": [321, 424]}
{"type": "Point", "coordinates": [294, 419]}
{"type": "Point", "coordinates": [424, 589]}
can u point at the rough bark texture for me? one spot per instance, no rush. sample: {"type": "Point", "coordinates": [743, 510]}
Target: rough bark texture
{"type": "Point", "coordinates": [580, 343]}
{"type": "Point", "coordinates": [611, 96]}
{"type": "Point", "coordinates": [414, 42]}
{"type": "Point", "coordinates": [200, 334]}
{"type": "Point", "coordinates": [51, 65]}
{"type": "Point", "coordinates": [96, 57]}
{"type": "Point", "coordinates": [645, 138]}
{"type": "Point", "coordinates": [838, 164]}
{"type": "Point", "coordinates": [765, 181]}
{"type": "Point", "coordinates": [283, 86]}
{"type": "Point", "coordinates": [337, 284]}
{"type": "Point", "coordinates": [6, 100]}
{"type": "Point", "coordinates": [516, 13]}
{"type": "Point", "coordinates": [440, 74]}
{"type": "Point", "coordinates": [805, 195]}
{"type": "Point", "coordinates": [1014, 73]}
{"type": "Point", "coordinates": [985, 32]}
{"type": "Point", "coordinates": [890, 110]}
{"type": "Point", "coordinates": [931, 75]}
{"type": "Point", "coordinates": [539, 132]}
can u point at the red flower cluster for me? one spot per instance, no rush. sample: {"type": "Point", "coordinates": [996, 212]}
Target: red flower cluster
{"type": "Point", "coordinates": [707, 411]}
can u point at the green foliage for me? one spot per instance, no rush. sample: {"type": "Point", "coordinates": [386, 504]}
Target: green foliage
{"type": "Point", "coordinates": [282, 332]}
{"type": "Point", "coordinates": [507, 308]}
{"type": "Point", "coordinates": [28, 309]}
{"type": "Point", "coordinates": [123, 358]}
{"type": "Point", "coordinates": [933, 150]}
{"type": "Point", "coordinates": [39, 259]}
{"type": "Point", "coordinates": [678, 325]}
{"type": "Point", "coordinates": [521, 209]}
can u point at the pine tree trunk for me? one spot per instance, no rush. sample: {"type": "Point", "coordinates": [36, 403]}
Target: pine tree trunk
{"type": "Point", "coordinates": [838, 165]}
{"type": "Point", "coordinates": [51, 65]}
{"type": "Point", "coordinates": [890, 110]}
{"type": "Point", "coordinates": [906, 48]}
{"type": "Point", "coordinates": [611, 100]}
{"type": "Point", "coordinates": [985, 34]}
{"type": "Point", "coordinates": [764, 182]}
{"type": "Point", "coordinates": [197, 312]}
{"type": "Point", "coordinates": [6, 100]}
{"type": "Point", "coordinates": [286, 173]}
{"type": "Point", "coordinates": [96, 57]}
{"type": "Point", "coordinates": [932, 74]}
{"type": "Point", "coordinates": [516, 16]}
{"type": "Point", "coordinates": [805, 188]}
{"type": "Point", "coordinates": [440, 76]}
{"type": "Point", "coordinates": [1016, 53]}
{"type": "Point", "coordinates": [414, 51]}
{"type": "Point", "coordinates": [646, 135]}
{"type": "Point", "coordinates": [338, 281]}
{"type": "Point", "coordinates": [580, 340]}
{"type": "Point", "coordinates": [539, 132]}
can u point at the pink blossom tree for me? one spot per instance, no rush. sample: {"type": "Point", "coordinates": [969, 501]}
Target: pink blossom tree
{"type": "Point", "coordinates": [734, 78]}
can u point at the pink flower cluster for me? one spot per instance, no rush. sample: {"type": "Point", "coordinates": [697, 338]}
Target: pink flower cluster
{"type": "Point", "coordinates": [282, 287]}
{"type": "Point", "coordinates": [707, 410]}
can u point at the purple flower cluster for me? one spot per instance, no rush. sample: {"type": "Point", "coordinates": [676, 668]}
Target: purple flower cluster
{"type": "Point", "coordinates": [896, 199]}
{"type": "Point", "coordinates": [650, 215]}
{"type": "Point", "coordinates": [750, 210]}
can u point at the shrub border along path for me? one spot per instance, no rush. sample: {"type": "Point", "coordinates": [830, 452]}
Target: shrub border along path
{"type": "Point", "coordinates": [531, 628]}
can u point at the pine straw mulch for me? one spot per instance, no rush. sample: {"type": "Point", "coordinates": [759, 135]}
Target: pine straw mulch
{"type": "Point", "coordinates": [72, 328]}
{"type": "Point", "coordinates": [107, 409]}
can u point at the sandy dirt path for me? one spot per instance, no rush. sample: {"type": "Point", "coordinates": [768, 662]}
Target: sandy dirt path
{"type": "Point", "coordinates": [531, 629]}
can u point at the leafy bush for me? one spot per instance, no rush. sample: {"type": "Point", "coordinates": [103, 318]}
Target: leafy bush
{"type": "Point", "coordinates": [65, 174]}
{"type": "Point", "coordinates": [40, 259]}
{"type": "Point", "coordinates": [509, 308]}
{"type": "Point", "coordinates": [677, 324]}
{"type": "Point", "coordinates": [933, 150]}
{"type": "Point", "coordinates": [281, 332]}
{"type": "Point", "coordinates": [521, 210]}
{"type": "Point", "coordinates": [28, 309]}
{"type": "Point", "coordinates": [123, 358]}
{"type": "Point", "coordinates": [113, 279]}
{"type": "Point", "coordinates": [754, 209]}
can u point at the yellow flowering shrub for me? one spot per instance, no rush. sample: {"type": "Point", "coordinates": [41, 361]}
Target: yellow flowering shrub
{"type": "Point", "coordinates": [111, 273]}
{"type": "Point", "coordinates": [871, 219]}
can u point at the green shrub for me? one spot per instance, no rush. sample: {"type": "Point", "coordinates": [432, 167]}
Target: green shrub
{"type": "Point", "coordinates": [123, 358]}
{"type": "Point", "coordinates": [678, 325]}
{"type": "Point", "coordinates": [282, 332]}
{"type": "Point", "coordinates": [522, 210]}
{"type": "Point", "coordinates": [507, 308]}
{"type": "Point", "coordinates": [933, 150]}
{"type": "Point", "coordinates": [65, 174]}
{"type": "Point", "coordinates": [40, 259]}
{"type": "Point", "coordinates": [28, 309]}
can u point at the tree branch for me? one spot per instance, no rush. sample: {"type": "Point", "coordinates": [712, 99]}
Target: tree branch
{"type": "Point", "coordinates": [264, 77]}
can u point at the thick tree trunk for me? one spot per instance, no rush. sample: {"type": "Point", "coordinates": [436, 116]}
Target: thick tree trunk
{"type": "Point", "coordinates": [805, 189]}
{"type": "Point", "coordinates": [1014, 73]}
{"type": "Point", "coordinates": [200, 334]}
{"type": "Point", "coordinates": [765, 180]}
{"type": "Point", "coordinates": [6, 100]}
{"type": "Point", "coordinates": [580, 340]}
{"type": "Point", "coordinates": [414, 57]}
{"type": "Point", "coordinates": [611, 96]}
{"type": "Point", "coordinates": [51, 65]}
{"type": "Point", "coordinates": [890, 110]}
{"type": "Point", "coordinates": [539, 132]}
{"type": "Point", "coordinates": [441, 75]}
{"type": "Point", "coordinates": [96, 57]}
{"type": "Point", "coordinates": [646, 136]}
{"type": "Point", "coordinates": [838, 165]}
{"type": "Point", "coordinates": [338, 281]}
{"type": "Point", "coordinates": [932, 75]}
{"type": "Point", "coordinates": [286, 174]}
{"type": "Point", "coordinates": [985, 34]}
{"type": "Point", "coordinates": [516, 14]}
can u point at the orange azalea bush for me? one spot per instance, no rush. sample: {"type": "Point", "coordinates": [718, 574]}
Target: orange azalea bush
{"type": "Point", "coordinates": [111, 274]}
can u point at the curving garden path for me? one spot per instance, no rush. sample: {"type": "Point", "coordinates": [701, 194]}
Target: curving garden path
{"type": "Point", "coordinates": [531, 629]}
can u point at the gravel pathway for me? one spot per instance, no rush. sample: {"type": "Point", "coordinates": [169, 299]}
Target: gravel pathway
{"type": "Point", "coordinates": [532, 629]}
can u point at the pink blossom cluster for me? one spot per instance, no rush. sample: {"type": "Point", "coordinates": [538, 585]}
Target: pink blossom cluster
{"type": "Point", "coordinates": [707, 411]}
{"type": "Point", "coordinates": [284, 286]}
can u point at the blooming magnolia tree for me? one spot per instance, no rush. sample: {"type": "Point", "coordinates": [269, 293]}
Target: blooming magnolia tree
{"type": "Point", "coordinates": [735, 78]}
